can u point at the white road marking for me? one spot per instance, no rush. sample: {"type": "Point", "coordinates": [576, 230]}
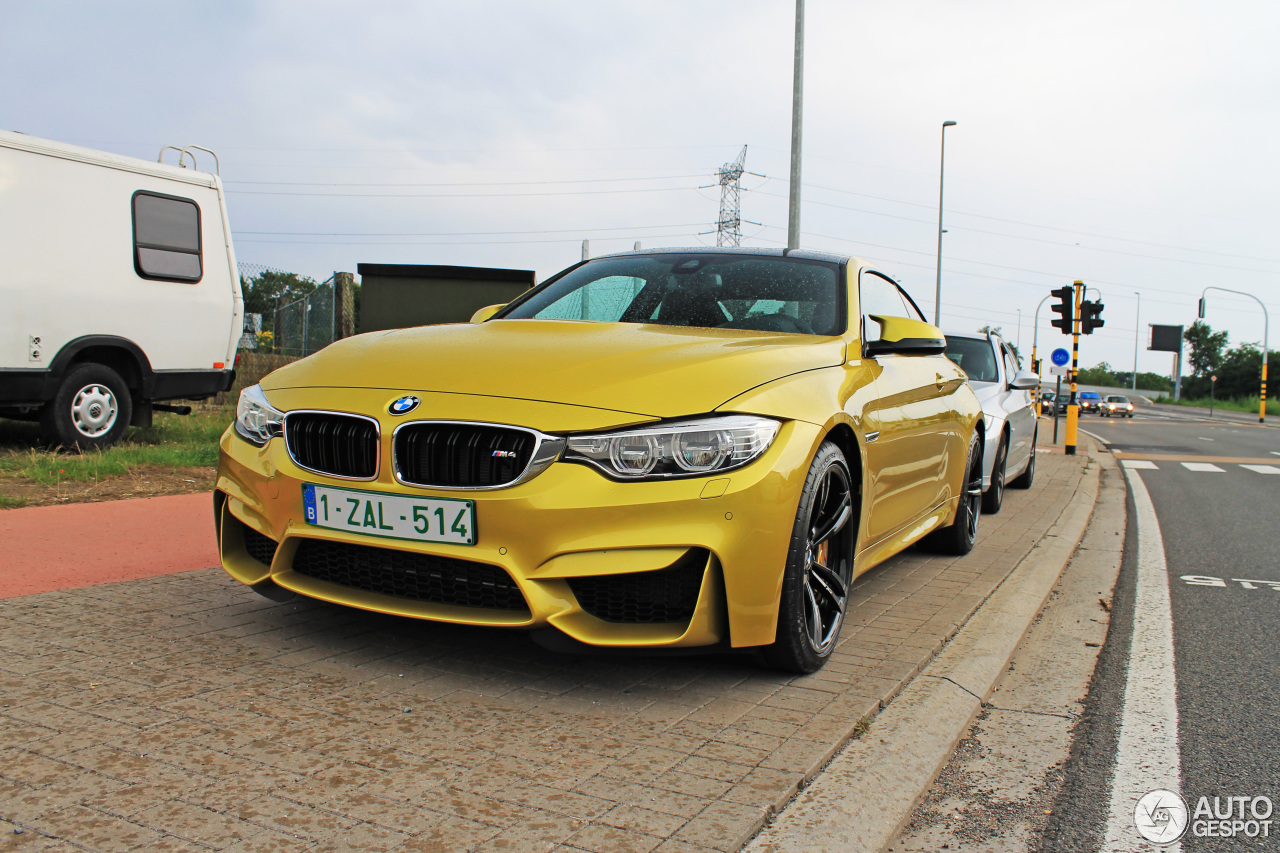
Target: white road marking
{"type": "Point", "coordinates": [1206, 580]}
{"type": "Point", "coordinates": [1202, 438]}
{"type": "Point", "coordinates": [1147, 748]}
{"type": "Point", "coordinates": [1202, 466]}
{"type": "Point", "coordinates": [1275, 453]}
{"type": "Point", "coordinates": [1263, 469]}
{"type": "Point", "coordinates": [1139, 465]}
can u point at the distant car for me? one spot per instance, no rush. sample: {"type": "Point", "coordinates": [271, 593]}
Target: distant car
{"type": "Point", "coordinates": [1047, 402]}
{"type": "Point", "coordinates": [1005, 394]}
{"type": "Point", "coordinates": [1116, 406]}
{"type": "Point", "coordinates": [1090, 401]}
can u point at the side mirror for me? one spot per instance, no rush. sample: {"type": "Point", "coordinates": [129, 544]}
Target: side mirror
{"type": "Point", "coordinates": [903, 336]}
{"type": "Point", "coordinates": [1024, 381]}
{"type": "Point", "coordinates": [486, 312]}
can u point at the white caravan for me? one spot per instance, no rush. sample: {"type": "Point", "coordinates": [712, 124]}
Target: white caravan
{"type": "Point", "coordinates": [119, 289]}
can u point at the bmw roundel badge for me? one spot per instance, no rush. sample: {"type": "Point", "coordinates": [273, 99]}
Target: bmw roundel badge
{"type": "Point", "coordinates": [403, 405]}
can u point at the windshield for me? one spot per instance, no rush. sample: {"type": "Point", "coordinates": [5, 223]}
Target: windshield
{"type": "Point", "coordinates": [767, 294]}
{"type": "Point", "coordinates": [975, 357]}
{"type": "Point", "coordinates": [1089, 395]}
{"type": "Point", "coordinates": [1116, 399]}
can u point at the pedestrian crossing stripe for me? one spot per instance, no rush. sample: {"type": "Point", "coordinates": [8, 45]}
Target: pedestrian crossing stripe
{"type": "Point", "coordinates": [1207, 467]}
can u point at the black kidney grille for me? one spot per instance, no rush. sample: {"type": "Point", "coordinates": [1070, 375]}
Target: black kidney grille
{"type": "Point", "coordinates": [402, 574]}
{"type": "Point", "coordinates": [461, 455]}
{"type": "Point", "coordinates": [330, 443]}
{"type": "Point", "coordinates": [261, 548]}
{"type": "Point", "coordinates": [667, 595]}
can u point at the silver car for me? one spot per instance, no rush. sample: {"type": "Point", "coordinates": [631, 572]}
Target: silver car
{"type": "Point", "coordinates": [1009, 453]}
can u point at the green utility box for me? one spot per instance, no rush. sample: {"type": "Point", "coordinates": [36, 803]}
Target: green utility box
{"type": "Point", "coordinates": [397, 296]}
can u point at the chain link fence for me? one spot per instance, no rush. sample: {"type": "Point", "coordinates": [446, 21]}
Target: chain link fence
{"type": "Point", "coordinates": [307, 325]}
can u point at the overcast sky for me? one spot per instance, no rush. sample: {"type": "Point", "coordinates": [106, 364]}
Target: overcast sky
{"type": "Point", "coordinates": [1129, 144]}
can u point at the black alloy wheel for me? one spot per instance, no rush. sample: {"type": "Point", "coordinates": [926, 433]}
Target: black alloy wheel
{"type": "Point", "coordinates": [958, 537]}
{"type": "Point", "coordinates": [993, 498]}
{"type": "Point", "coordinates": [819, 569]}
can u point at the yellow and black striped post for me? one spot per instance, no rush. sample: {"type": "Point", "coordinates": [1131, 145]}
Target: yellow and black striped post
{"type": "Point", "coordinates": [1262, 401]}
{"type": "Point", "coordinates": [1073, 407]}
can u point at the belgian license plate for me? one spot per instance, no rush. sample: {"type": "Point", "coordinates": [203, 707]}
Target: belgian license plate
{"type": "Point", "coordinates": [420, 519]}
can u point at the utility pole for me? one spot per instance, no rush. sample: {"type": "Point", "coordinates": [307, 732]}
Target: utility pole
{"type": "Point", "coordinates": [797, 101]}
{"type": "Point", "coordinates": [1137, 325]}
{"type": "Point", "coordinates": [942, 164]}
{"type": "Point", "coordinates": [729, 229]}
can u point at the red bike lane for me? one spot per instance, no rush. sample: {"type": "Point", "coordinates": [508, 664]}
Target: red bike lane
{"type": "Point", "coordinates": [49, 548]}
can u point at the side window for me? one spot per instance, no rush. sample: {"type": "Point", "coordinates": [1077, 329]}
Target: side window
{"type": "Point", "coordinates": [166, 237]}
{"type": "Point", "coordinates": [880, 296]}
{"type": "Point", "coordinates": [604, 300]}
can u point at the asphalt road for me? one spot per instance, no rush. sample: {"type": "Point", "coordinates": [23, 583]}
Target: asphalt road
{"type": "Point", "coordinates": [1217, 520]}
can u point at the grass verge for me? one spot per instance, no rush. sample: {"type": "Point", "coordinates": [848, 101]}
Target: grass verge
{"type": "Point", "coordinates": [174, 441]}
{"type": "Point", "coordinates": [1239, 404]}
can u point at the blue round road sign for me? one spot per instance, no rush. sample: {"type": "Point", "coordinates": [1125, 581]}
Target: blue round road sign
{"type": "Point", "coordinates": [1060, 357]}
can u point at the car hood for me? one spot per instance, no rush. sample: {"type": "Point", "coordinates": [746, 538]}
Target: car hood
{"type": "Point", "coordinates": [650, 370]}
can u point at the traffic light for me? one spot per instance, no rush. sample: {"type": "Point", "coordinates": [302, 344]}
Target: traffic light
{"type": "Point", "coordinates": [1091, 317]}
{"type": "Point", "coordinates": [1066, 307]}
{"type": "Point", "coordinates": [1035, 366]}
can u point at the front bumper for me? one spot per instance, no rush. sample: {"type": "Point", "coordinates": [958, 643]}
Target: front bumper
{"type": "Point", "coordinates": [574, 543]}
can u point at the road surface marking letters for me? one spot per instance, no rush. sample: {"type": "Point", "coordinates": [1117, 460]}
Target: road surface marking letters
{"type": "Point", "coordinates": [1205, 580]}
{"type": "Point", "coordinates": [1147, 748]}
{"type": "Point", "coordinates": [1202, 466]}
{"type": "Point", "coordinates": [1140, 464]}
{"type": "Point", "coordinates": [1263, 469]}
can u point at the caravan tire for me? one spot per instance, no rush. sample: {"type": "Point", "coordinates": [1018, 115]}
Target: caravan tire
{"type": "Point", "coordinates": [91, 409]}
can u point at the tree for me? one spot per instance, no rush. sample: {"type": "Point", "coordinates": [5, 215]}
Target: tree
{"type": "Point", "coordinates": [263, 290]}
{"type": "Point", "coordinates": [1101, 374]}
{"type": "Point", "coordinates": [1206, 348]}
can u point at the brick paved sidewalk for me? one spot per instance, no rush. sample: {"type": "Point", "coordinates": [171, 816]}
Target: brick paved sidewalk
{"type": "Point", "coordinates": [185, 713]}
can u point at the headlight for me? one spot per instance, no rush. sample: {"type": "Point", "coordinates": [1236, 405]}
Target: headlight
{"type": "Point", "coordinates": [256, 419]}
{"type": "Point", "coordinates": [683, 449]}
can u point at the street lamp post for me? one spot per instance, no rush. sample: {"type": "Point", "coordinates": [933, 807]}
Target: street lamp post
{"type": "Point", "coordinates": [797, 125]}
{"type": "Point", "coordinates": [1266, 324]}
{"type": "Point", "coordinates": [942, 163]}
{"type": "Point", "coordinates": [1137, 324]}
{"type": "Point", "coordinates": [1035, 338]}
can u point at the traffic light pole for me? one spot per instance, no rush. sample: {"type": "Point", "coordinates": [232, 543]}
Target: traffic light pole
{"type": "Point", "coordinates": [1266, 335]}
{"type": "Point", "coordinates": [1035, 362]}
{"type": "Point", "coordinates": [1073, 407]}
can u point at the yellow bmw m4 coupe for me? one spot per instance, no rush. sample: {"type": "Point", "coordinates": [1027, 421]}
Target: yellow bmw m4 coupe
{"type": "Point", "coordinates": [675, 448]}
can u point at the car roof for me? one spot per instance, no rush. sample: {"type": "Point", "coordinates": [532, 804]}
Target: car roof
{"type": "Point", "coordinates": [801, 254]}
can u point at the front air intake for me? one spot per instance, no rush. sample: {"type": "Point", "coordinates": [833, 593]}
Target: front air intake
{"type": "Point", "coordinates": [409, 575]}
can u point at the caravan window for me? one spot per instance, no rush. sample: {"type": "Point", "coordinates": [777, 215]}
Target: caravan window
{"type": "Point", "coordinates": [166, 237]}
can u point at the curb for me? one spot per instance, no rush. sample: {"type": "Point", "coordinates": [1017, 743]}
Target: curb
{"type": "Point", "coordinates": [864, 797]}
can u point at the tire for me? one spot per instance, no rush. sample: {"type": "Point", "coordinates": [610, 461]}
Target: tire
{"type": "Point", "coordinates": [993, 497]}
{"type": "Point", "coordinates": [1028, 475]}
{"type": "Point", "coordinates": [91, 409]}
{"type": "Point", "coordinates": [957, 538]}
{"type": "Point", "coordinates": [815, 593]}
